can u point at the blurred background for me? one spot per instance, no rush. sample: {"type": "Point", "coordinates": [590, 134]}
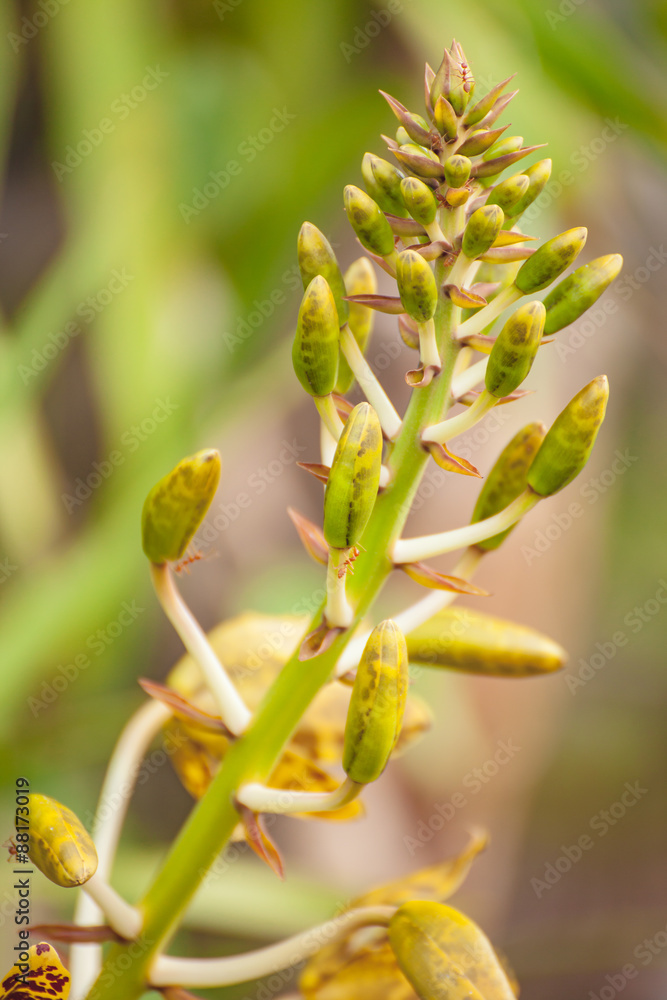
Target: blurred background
{"type": "Point", "coordinates": [159, 159]}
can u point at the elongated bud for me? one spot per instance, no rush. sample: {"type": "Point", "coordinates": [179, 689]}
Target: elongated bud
{"type": "Point", "coordinates": [480, 110]}
{"type": "Point", "coordinates": [457, 170]}
{"type": "Point", "coordinates": [354, 479]}
{"type": "Point", "coordinates": [507, 480]}
{"type": "Point", "coordinates": [515, 348]}
{"type": "Point", "coordinates": [481, 140]}
{"type": "Point", "coordinates": [316, 349]}
{"type": "Point", "coordinates": [538, 176]}
{"type": "Point", "coordinates": [60, 846]}
{"type": "Point", "coordinates": [419, 200]}
{"type": "Point", "coordinates": [463, 639]}
{"type": "Point", "coordinates": [550, 260]}
{"type": "Point", "coordinates": [482, 229]}
{"type": "Point", "coordinates": [176, 506]}
{"type": "Point", "coordinates": [509, 192]}
{"type": "Point", "coordinates": [366, 218]}
{"type": "Point", "coordinates": [377, 704]}
{"type": "Point", "coordinates": [416, 127]}
{"type": "Point", "coordinates": [570, 439]}
{"type": "Point", "coordinates": [577, 293]}
{"type": "Point", "coordinates": [444, 955]}
{"type": "Point", "coordinates": [510, 144]}
{"type": "Point", "coordinates": [416, 285]}
{"type": "Point", "coordinates": [453, 80]}
{"type": "Point", "coordinates": [359, 280]}
{"type": "Point", "coordinates": [445, 118]}
{"type": "Point", "coordinates": [383, 183]}
{"type": "Point", "coordinates": [316, 256]}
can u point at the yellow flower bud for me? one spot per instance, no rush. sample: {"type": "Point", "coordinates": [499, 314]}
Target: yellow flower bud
{"type": "Point", "coordinates": [509, 192]}
{"type": "Point", "coordinates": [482, 229]}
{"type": "Point", "coordinates": [176, 506]}
{"type": "Point", "coordinates": [537, 175]}
{"type": "Point", "coordinates": [316, 256]}
{"type": "Point", "coordinates": [60, 846]}
{"type": "Point", "coordinates": [383, 183]}
{"type": "Point", "coordinates": [457, 170]}
{"type": "Point", "coordinates": [370, 225]}
{"type": "Point", "coordinates": [514, 350]}
{"type": "Point", "coordinates": [419, 200]}
{"type": "Point", "coordinates": [577, 293]}
{"type": "Point", "coordinates": [550, 260]}
{"type": "Point", "coordinates": [416, 285]}
{"type": "Point", "coordinates": [354, 479]}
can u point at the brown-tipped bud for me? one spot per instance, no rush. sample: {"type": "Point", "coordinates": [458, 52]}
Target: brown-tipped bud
{"type": "Point", "coordinates": [453, 80]}
{"type": "Point", "coordinates": [176, 506]}
{"type": "Point", "coordinates": [366, 218]}
{"type": "Point", "coordinates": [415, 126]}
{"type": "Point", "coordinates": [537, 175]}
{"type": "Point", "coordinates": [417, 286]}
{"type": "Point", "coordinates": [316, 256]}
{"type": "Point", "coordinates": [482, 229]}
{"type": "Point", "coordinates": [354, 479]}
{"type": "Point", "coordinates": [316, 347]}
{"type": "Point", "coordinates": [485, 169]}
{"type": "Point", "coordinates": [507, 480]}
{"type": "Point", "coordinates": [445, 119]}
{"type": "Point", "coordinates": [463, 639]}
{"type": "Point", "coordinates": [577, 293]}
{"type": "Point", "coordinates": [444, 955]}
{"type": "Point", "coordinates": [550, 260]}
{"type": "Point", "coordinates": [383, 183]}
{"type": "Point", "coordinates": [508, 193]}
{"type": "Point", "coordinates": [419, 161]}
{"type": "Point", "coordinates": [570, 439]}
{"type": "Point", "coordinates": [480, 141]}
{"type": "Point", "coordinates": [515, 348]}
{"type": "Point", "coordinates": [359, 280]}
{"type": "Point", "coordinates": [457, 170]}
{"type": "Point", "coordinates": [480, 110]}
{"type": "Point", "coordinates": [456, 197]}
{"type": "Point", "coordinates": [60, 846]}
{"type": "Point", "coordinates": [377, 704]}
{"type": "Point", "coordinates": [419, 200]}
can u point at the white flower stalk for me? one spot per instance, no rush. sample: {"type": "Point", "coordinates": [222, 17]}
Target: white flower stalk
{"type": "Point", "coordinates": [262, 799]}
{"type": "Point", "coordinates": [428, 346]}
{"type": "Point", "coordinates": [326, 408]}
{"type": "Point", "coordinates": [207, 973]}
{"type": "Point", "coordinates": [369, 384]}
{"type": "Point", "coordinates": [427, 546]}
{"type": "Point", "coordinates": [233, 710]}
{"type": "Point", "coordinates": [451, 428]}
{"type": "Point", "coordinates": [486, 315]}
{"type": "Point", "coordinates": [123, 918]}
{"type": "Point", "coordinates": [468, 378]}
{"type": "Point", "coordinates": [327, 444]}
{"type": "Point", "coordinates": [338, 612]}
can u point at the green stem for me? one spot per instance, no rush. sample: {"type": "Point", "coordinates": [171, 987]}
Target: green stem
{"type": "Point", "coordinates": [252, 758]}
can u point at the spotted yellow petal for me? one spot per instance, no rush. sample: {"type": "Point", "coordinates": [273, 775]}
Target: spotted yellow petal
{"type": "Point", "coordinates": [41, 977]}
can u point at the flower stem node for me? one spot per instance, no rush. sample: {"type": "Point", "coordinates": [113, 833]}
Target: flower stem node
{"type": "Point", "coordinates": [482, 230]}
{"type": "Point", "coordinates": [366, 218]}
{"type": "Point", "coordinates": [377, 704]}
{"type": "Point", "coordinates": [514, 351]}
{"type": "Point", "coordinates": [579, 291]}
{"type": "Point", "coordinates": [550, 260]}
{"type": "Point", "coordinates": [60, 845]}
{"type": "Point", "coordinates": [354, 479]}
{"type": "Point", "coordinates": [444, 955]}
{"type": "Point", "coordinates": [570, 439]}
{"type": "Point", "coordinates": [316, 256]}
{"type": "Point", "coordinates": [176, 506]}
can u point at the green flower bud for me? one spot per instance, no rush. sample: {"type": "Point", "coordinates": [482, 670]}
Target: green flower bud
{"type": "Point", "coordinates": [445, 118]}
{"type": "Point", "coordinates": [354, 479]}
{"type": "Point", "coordinates": [176, 506]}
{"type": "Point", "coordinates": [383, 183]}
{"type": "Point", "coordinates": [316, 256]}
{"type": "Point", "coordinates": [359, 280]}
{"type": "Point", "coordinates": [550, 260]}
{"type": "Point", "coordinates": [507, 480]}
{"type": "Point", "coordinates": [377, 704]}
{"type": "Point", "coordinates": [514, 350]}
{"type": "Point", "coordinates": [316, 348]}
{"type": "Point", "coordinates": [463, 639]}
{"type": "Point", "coordinates": [537, 175]}
{"type": "Point", "coordinates": [577, 293]}
{"type": "Point", "coordinates": [480, 140]}
{"type": "Point", "coordinates": [480, 110]}
{"type": "Point", "coordinates": [419, 200]}
{"type": "Point", "coordinates": [570, 439]}
{"type": "Point", "coordinates": [457, 170]}
{"type": "Point", "coordinates": [402, 137]}
{"type": "Point", "coordinates": [509, 192]}
{"type": "Point", "coordinates": [60, 846]}
{"type": "Point", "coordinates": [416, 285]}
{"type": "Point", "coordinates": [453, 79]}
{"type": "Point", "coordinates": [444, 955]}
{"type": "Point", "coordinates": [510, 144]}
{"type": "Point", "coordinates": [368, 222]}
{"type": "Point", "coordinates": [482, 229]}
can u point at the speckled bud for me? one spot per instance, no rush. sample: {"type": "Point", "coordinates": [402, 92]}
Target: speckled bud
{"type": "Point", "coordinates": [377, 704]}
{"type": "Point", "coordinates": [176, 506]}
{"type": "Point", "coordinates": [550, 260]}
{"type": "Point", "coordinates": [416, 285]}
{"type": "Point", "coordinates": [419, 200]}
{"type": "Point", "coordinates": [354, 479]}
{"type": "Point", "coordinates": [482, 229]}
{"type": "Point", "coordinates": [368, 222]}
{"type": "Point", "coordinates": [360, 279]}
{"type": "Point", "coordinates": [537, 175]}
{"type": "Point", "coordinates": [570, 439]}
{"type": "Point", "coordinates": [514, 350]}
{"type": "Point", "coordinates": [577, 293]}
{"type": "Point", "coordinates": [509, 192]}
{"type": "Point", "coordinates": [457, 170]}
{"type": "Point", "coordinates": [383, 183]}
{"type": "Point", "coordinates": [60, 846]}
{"type": "Point", "coordinates": [316, 256]}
